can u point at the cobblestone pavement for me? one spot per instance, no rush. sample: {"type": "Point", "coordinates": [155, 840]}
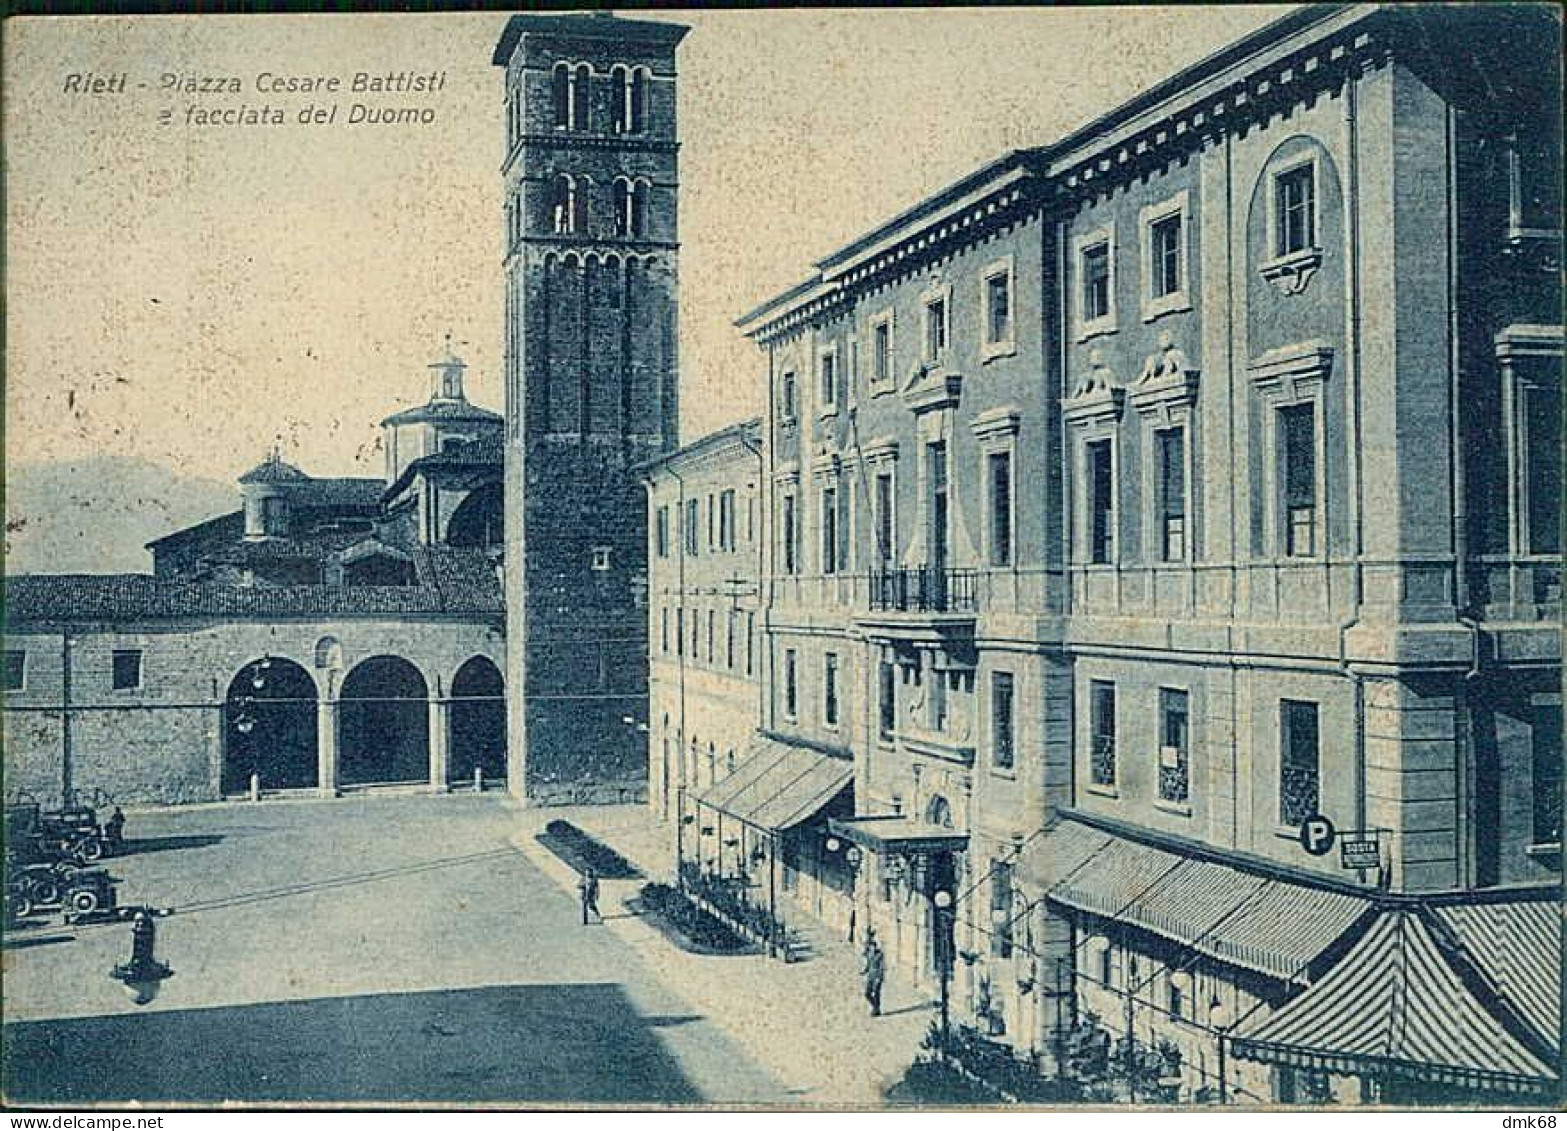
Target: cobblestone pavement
{"type": "Point", "coordinates": [370, 949]}
{"type": "Point", "coordinates": [807, 1021]}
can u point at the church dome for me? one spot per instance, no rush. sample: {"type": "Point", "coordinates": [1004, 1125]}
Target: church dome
{"type": "Point", "coordinates": [274, 470]}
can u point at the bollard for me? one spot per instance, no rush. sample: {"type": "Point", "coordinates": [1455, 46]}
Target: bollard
{"type": "Point", "coordinates": [478, 779]}
{"type": "Point", "coordinates": [255, 787]}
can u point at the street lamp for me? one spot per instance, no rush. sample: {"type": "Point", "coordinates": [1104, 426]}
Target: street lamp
{"type": "Point", "coordinates": [143, 975]}
{"type": "Point", "coordinates": [1219, 1019]}
{"type": "Point", "coordinates": [942, 901]}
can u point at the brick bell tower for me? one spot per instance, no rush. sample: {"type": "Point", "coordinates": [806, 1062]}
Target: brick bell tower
{"type": "Point", "coordinates": [591, 187]}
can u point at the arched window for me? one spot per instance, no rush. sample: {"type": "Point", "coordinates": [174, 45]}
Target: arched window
{"type": "Point", "coordinates": [620, 100]}
{"type": "Point", "coordinates": [581, 89]}
{"type": "Point", "coordinates": [636, 101]}
{"type": "Point", "coordinates": [563, 205]}
{"type": "Point", "coordinates": [582, 191]}
{"type": "Point", "coordinates": [560, 95]}
{"type": "Point", "coordinates": [622, 192]}
{"type": "Point", "coordinates": [637, 221]}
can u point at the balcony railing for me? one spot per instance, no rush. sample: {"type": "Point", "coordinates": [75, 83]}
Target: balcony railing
{"type": "Point", "coordinates": [923, 589]}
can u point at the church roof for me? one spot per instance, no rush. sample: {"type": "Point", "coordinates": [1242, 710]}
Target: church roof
{"type": "Point", "coordinates": [441, 409]}
{"type": "Point", "coordinates": [274, 470]}
{"type": "Point", "coordinates": [450, 582]}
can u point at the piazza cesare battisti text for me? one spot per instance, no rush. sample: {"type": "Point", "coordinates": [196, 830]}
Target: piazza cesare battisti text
{"type": "Point", "coordinates": [263, 82]}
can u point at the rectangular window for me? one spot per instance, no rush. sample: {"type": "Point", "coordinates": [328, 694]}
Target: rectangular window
{"type": "Point", "coordinates": [1298, 768]}
{"type": "Point", "coordinates": [15, 669]}
{"type": "Point", "coordinates": [712, 619]}
{"type": "Point", "coordinates": [883, 518]}
{"type": "Point", "coordinates": [829, 381]}
{"type": "Point", "coordinates": [791, 688]}
{"type": "Point", "coordinates": [729, 640]}
{"type": "Point", "coordinates": [998, 308]}
{"type": "Point", "coordinates": [127, 669]}
{"type": "Point", "coordinates": [726, 520]}
{"type": "Point", "coordinates": [712, 521]}
{"type": "Point", "coordinates": [830, 530]}
{"type": "Point", "coordinates": [750, 635]}
{"type": "Point", "coordinates": [1000, 465]}
{"type": "Point", "coordinates": [661, 532]}
{"type": "Point", "coordinates": [1101, 504]}
{"type": "Point", "coordinates": [1174, 776]}
{"type": "Point", "coordinates": [1001, 911]}
{"type": "Point", "coordinates": [680, 632]}
{"type": "Point", "coordinates": [786, 399]}
{"type": "Point", "coordinates": [830, 689]}
{"type": "Point", "coordinates": [663, 635]}
{"type": "Point", "coordinates": [887, 700]}
{"type": "Point", "coordinates": [936, 480]}
{"type": "Point", "coordinates": [1096, 281]}
{"type": "Point", "coordinates": [1171, 446]}
{"type": "Point", "coordinates": [1164, 247]}
{"type": "Point", "coordinates": [938, 702]}
{"type": "Point", "coordinates": [1101, 723]}
{"type": "Point", "coordinates": [1295, 218]}
{"type": "Point", "coordinates": [881, 347]}
{"type": "Point", "coordinates": [1002, 735]}
{"type": "Point", "coordinates": [1543, 414]}
{"type": "Point", "coordinates": [691, 532]}
{"type": "Point", "coordinates": [696, 618]}
{"type": "Point", "coordinates": [935, 328]}
{"type": "Point", "coordinates": [1547, 741]}
{"type": "Point", "coordinates": [1298, 472]}
{"type": "Point", "coordinates": [789, 533]}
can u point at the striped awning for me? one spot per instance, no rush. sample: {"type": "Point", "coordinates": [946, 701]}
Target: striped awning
{"type": "Point", "coordinates": [1262, 923]}
{"type": "Point", "coordinates": [1517, 947]}
{"type": "Point", "coordinates": [1394, 1004]}
{"type": "Point", "coordinates": [778, 786]}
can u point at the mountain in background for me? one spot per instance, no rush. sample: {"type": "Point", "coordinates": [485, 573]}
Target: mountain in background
{"type": "Point", "coordinates": [95, 515]}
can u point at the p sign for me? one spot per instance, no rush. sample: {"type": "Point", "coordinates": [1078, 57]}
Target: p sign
{"type": "Point", "coordinates": [1316, 835]}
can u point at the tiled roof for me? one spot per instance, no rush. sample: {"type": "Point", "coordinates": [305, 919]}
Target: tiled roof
{"type": "Point", "coordinates": [223, 528]}
{"type": "Point", "coordinates": [486, 451]}
{"type": "Point", "coordinates": [457, 582]}
{"type": "Point", "coordinates": [346, 492]}
{"type": "Point", "coordinates": [442, 410]}
{"type": "Point", "coordinates": [273, 470]}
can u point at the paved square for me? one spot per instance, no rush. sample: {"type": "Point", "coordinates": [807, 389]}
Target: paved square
{"type": "Point", "coordinates": [373, 949]}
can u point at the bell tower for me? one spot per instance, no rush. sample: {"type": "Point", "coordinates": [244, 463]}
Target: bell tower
{"type": "Point", "coordinates": [591, 188]}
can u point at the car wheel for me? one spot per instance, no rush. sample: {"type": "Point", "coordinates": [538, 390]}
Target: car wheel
{"type": "Point", "coordinates": [90, 849]}
{"type": "Point", "coordinates": [46, 891]}
{"type": "Point", "coordinates": [21, 906]}
{"type": "Point", "coordinates": [84, 902]}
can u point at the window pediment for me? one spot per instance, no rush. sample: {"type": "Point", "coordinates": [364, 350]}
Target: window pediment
{"type": "Point", "coordinates": [1097, 397]}
{"type": "Point", "coordinates": [1168, 381]}
{"type": "Point", "coordinates": [932, 387]}
{"type": "Point", "coordinates": [1291, 372]}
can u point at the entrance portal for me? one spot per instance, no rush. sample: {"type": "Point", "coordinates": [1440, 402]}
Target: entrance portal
{"type": "Point", "coordinates": [384, 723]}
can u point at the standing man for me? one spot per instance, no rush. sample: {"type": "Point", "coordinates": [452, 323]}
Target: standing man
{"type": "Point", "coordinates": [875, 971]}
{"type": "Point", "coordinates": [590, 896]}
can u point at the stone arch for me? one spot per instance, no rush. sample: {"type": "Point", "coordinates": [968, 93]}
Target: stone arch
{"type": "Point", "coordinates": [939, 812]}
{"type": "Point", "coordinates": [329, 654]}
{"type": "Point", "coordinates": [269, 726]}
{"type": "Point", "coordinates": [476, 725]}
{"type": "Point", "coordinates": [384, 721]}
{"type": "Point", "coordinates": [479, 520]}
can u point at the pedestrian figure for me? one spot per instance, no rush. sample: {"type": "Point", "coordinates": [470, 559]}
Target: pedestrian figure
{"type": "Point", "coordinates": [590, 897]}
{"type": "Point", "coordinates": [875, 971]}
{"type": "Point", "coordinates": [114, 829]}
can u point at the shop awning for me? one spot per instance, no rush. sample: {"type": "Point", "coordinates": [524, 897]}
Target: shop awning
{"type": "Point", "coordinates": [894, 835]}
{"type": "Point", "coordinates": [778, 786]}
{"type": "Point", "coordinates": [1262, 923]}
{"type": "Point", "coordinates": [1517, 947]}
{"type": "Point", "coordinates": [1395, 1004]}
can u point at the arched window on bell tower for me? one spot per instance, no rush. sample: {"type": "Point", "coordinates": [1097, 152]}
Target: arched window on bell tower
{"type": "Point", "coordinates": [636, 100]}
{"type": "Point", "coordinates": [620, 99]}
{"type": "Point", "coordinates": [581, 91]}
{"type": "Point", "coordinates": [560, 95]}
{"type": "Point", "coordinates": [631, 205]}
{"type": "Point", "coordinates": [563, 205]}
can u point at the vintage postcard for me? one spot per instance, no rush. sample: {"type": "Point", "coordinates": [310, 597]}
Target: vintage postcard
{"type": "Point", "coordinates": [793, 559]}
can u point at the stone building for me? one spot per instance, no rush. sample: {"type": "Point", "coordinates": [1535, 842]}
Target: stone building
{"type": "Point", "coordinates": [1166, 522]}
{"type": "Point", "coordinates": [327, 634]}
{"type": "Point", "coordinates": [591, 242]}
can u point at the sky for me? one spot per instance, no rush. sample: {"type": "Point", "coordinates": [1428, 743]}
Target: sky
{"type": "Point", "coordinates": [191, 294]}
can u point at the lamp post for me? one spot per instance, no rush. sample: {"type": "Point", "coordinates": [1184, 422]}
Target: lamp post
{"type": "Point", "coordinates": [941, 902]}
{"type": "Point", "coordinates": [1219, 1019]}
{"type": "Point", "coordinates": [143, 974]}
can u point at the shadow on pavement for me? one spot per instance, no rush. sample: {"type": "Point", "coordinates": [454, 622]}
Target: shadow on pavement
{"type": "Point", "coordinates": [135, 846]}
{"type": "Point", "coordinates": [577, 1043]}
{"type": "Point", "coordinates": [24, 943]}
